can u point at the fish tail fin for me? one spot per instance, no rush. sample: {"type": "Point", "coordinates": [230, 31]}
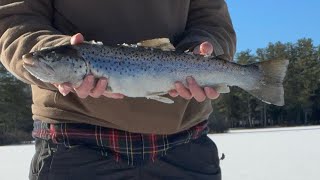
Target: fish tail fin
{"type": "Point", "coordinates": [270, 88]}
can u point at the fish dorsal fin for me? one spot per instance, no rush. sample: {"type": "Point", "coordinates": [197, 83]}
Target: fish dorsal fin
{"type": "Point", "coordinates": [159, 43]}
{"type": "Point", "coordinates": [95, 42]}
{"type": "Point", "coordinates": [128, 45]}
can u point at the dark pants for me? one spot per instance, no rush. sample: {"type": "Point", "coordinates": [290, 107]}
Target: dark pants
{"type": "Point", "coordinates": [195, 160]}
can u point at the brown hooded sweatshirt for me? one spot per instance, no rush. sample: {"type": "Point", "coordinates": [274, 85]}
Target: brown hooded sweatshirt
{"type": "Point", "coordinates": [28, 25]}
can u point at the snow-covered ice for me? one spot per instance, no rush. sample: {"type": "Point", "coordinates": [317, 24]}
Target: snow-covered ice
{"type": "Point", "coordinates": [15, 161]}
{"type": "Point", "coordinates": [263, 154]}
{"type": "Point", "coordinates": [270, 154]}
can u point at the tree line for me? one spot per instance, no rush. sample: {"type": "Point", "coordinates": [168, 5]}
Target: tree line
{"type": "Point", "coordinates": [301, 89]}
{"type": "Point", "coordinates": [233, 110]}
{"type": "Point", "coordinates": [15, 109]}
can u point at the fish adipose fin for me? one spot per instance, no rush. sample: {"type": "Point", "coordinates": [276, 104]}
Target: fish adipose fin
{"type": "Point", "coordinates": [270, 88]}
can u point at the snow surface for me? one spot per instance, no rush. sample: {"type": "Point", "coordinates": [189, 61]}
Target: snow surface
{"type": "Point", "coordinates": [261, 154]}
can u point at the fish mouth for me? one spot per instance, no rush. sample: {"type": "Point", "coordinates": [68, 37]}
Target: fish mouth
{"type": "Point", "coordinates": [28, 60]}
{"type": "Point", "coordinates": [32, 64]}
{"type": "Point", "coordinates": [28, 63]}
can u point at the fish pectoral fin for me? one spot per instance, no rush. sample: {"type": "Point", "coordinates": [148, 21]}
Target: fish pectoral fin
{"type": "Point", "coordinates": [161, 99]}
{"type": "Point", "coordinates": [157, 93]}
{"type": "Point", "coordinates": [221, 88]}
{"type": "Point", "coordinates": [44, 48]}
{"type": "Point", "coordinates": [160, 43]}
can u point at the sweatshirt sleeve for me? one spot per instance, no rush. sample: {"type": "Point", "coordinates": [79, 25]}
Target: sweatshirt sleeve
{"type": "Point", "coordinates": [209, 20]}
{"type": "Point", "coordinates": [25, 26]}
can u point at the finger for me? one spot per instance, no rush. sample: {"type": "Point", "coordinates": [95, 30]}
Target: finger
{"type": "Point", "coordinates": [87, 85]}
{"type": "Point", "coordinates": [77, 39]}
{"type": "Point", "coordinates": [183, 91]}
{"type": "Point", "coordinates": [196, 91]}
{"type": "Point", "coordinates": [64, 88]}
{"type": "Point", "coordinates": [173, 93]}
{"type": "Point", "coordinates": [206, 48]}
{"type": "Point", "coordinates": [211, 93]}
{"type": "Point", "coordinates": [113, 95]}
{"type": "Point", "coordinates": [100, 88]}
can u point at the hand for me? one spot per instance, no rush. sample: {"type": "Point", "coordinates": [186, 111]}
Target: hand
{"type": "Point", "coordinates": [88, 86]}
{"type": "Point", "coordinates": [194, 90]}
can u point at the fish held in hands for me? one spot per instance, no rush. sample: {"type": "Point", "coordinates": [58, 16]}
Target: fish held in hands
{"type": "Point", "coordinates": [137, 71]}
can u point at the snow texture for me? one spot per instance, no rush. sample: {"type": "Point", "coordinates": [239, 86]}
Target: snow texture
{"type": "Point", "coordinates": [264, 154]}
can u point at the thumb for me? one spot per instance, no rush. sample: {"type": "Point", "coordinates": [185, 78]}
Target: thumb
{"type": "Point", "coordinates": [77, 39]}
{"type": "Point", "coordinates": [206, 48]}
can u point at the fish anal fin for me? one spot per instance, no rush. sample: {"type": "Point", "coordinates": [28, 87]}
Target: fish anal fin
{"type": "Point", "coordinates": [221, 88]}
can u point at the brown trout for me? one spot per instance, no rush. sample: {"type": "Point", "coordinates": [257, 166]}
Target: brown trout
{"type": "Point", "coordinates": [144, 72]}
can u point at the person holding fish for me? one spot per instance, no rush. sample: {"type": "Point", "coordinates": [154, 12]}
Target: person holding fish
{"type": "Point", "coordinates": [90, 130]}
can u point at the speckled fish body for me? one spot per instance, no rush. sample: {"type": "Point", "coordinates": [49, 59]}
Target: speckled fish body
{"type": "Point", "coordinates": [143, 72]}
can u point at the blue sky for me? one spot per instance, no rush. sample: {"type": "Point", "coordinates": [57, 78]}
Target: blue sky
{"type": "Point", "coordinates": [258, 22]}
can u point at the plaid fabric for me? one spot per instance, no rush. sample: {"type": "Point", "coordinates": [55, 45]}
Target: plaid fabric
{"type": "Point", "coordinates": [131, 147]}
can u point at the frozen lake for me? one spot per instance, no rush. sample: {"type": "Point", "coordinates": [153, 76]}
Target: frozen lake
{"type": "Point", "coordinates": [264, 154]}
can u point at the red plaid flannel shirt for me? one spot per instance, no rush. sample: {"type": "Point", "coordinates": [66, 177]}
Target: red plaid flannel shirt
{"type": "Point", "coordinates": [123, 145]}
